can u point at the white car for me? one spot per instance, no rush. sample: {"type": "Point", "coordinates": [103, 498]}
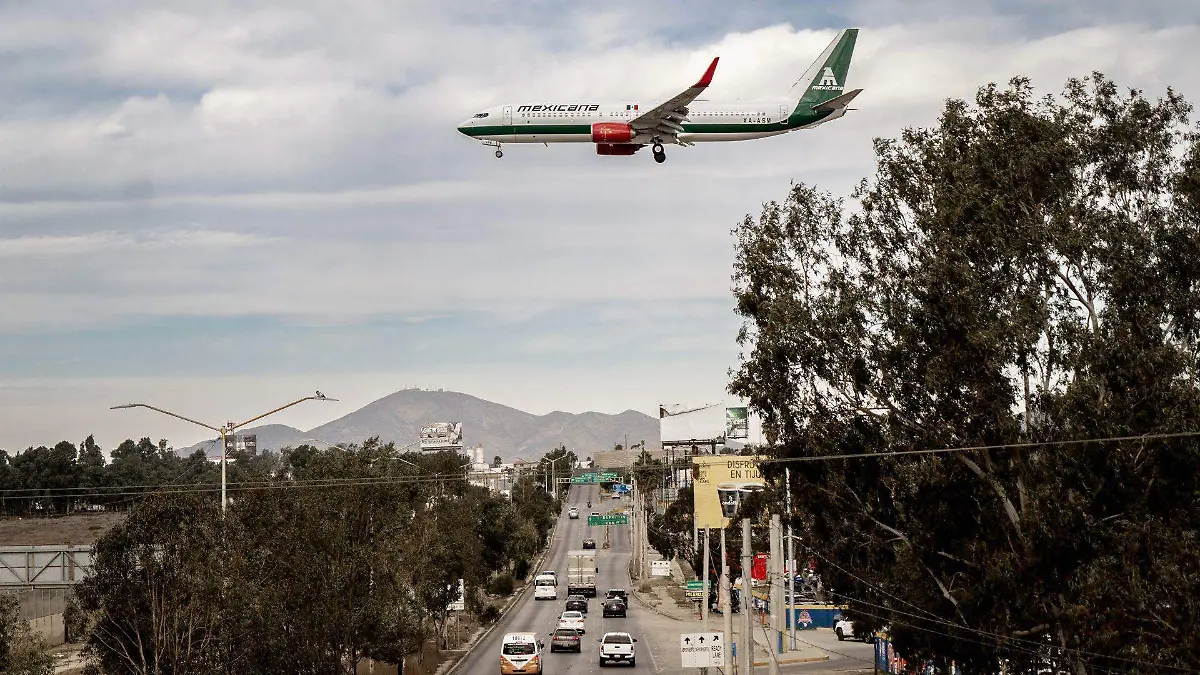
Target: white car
{"type": "Point", "coordinates": [545, 587]}
{"type": "Point", "coordinates": [845, 631]}
{"type": "Point", "coordinates": [617, 647]}
{"type": "Point", "coordinates": [572, 619]}
{"type": "Point", "coordinates": [572, 513]}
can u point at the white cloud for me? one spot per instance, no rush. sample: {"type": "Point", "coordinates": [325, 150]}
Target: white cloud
{"type": "Point", "coordinates": [113, 242]}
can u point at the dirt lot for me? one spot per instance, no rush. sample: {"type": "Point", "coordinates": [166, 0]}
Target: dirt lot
{"type": "Point", "coordinates": [83, 528]}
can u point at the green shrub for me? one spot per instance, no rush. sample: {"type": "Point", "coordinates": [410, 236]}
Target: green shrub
{"type": "Point", "coordinates": [502, 584]}
{"type": "Point", "coordinates": [521, 569]}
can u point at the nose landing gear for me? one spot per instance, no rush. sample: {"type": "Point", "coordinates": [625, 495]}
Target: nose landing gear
{"type": "Point", "coordinates": [496, 145]}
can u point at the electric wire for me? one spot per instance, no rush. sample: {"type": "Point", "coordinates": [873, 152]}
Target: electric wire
{"type": "Point", "coordinates": [978, 448]}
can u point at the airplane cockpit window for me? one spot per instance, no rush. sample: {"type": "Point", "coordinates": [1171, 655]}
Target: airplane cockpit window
{"type": "Point", "coordinates": [482, 114]}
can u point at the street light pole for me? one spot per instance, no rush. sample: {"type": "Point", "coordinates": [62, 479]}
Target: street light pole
{"type": "Point", "coordinates": [225, 429]}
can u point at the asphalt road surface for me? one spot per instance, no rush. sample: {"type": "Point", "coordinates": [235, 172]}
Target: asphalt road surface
{"type": "Point", "coordinates": [541, 616]}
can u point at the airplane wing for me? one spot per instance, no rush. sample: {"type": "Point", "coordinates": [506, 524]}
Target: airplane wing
{"type": "Point", "coordinates": [666, 118]}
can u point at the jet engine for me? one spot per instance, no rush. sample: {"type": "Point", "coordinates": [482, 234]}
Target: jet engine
{"type": "Point", "coordinates": [611, 132]}
{"type": "Point", "coordinates": [612, 149]}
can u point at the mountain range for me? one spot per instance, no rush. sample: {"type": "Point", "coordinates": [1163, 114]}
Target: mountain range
{"type": "Point", "coordinates": [501, 430]}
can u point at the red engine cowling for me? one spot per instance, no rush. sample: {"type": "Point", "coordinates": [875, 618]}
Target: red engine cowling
{"type": "Point", "coordinates": [611, 132]}
{"type": "Point", "coordinates": [610, 149]}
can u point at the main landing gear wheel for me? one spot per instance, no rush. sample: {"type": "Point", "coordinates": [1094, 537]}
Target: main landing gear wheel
{"type": "Point", "coordinates": [659, 155]}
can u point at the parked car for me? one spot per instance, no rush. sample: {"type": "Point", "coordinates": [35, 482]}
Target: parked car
{"type": "Point", "coordinates": [589, 543]}
{"type": "Point", "coordinates": [577, 603]}
{"type": "Point", "coordinates": [617, 647]}
{"type": "Point", "coordinates": [573, 513]}
{"type": "Point", "coordinates": [572, 619]}
{"type": "Point", "coordinates": [566, 640]}
{"type": "Point", "coordinates": [614, 607]}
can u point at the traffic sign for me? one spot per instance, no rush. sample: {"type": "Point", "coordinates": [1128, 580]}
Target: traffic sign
{"type": "Point", "coordinates": [609, 519]}
{"type": "Point", "coordinates": [694, 589]}
{"type": "Point", "coordinates": [702, 650]}
{"type": "Point", "coordinates": [607, 477]}
{"type": "Point", "coordinates": [584, 478]}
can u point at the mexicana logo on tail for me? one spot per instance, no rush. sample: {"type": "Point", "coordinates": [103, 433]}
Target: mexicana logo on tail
{"type": "Point", "coordinates": [828, 81]}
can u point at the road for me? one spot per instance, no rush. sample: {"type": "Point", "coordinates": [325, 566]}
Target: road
{"type": "Point", "coordinates": [541, 616]}
{"type": "Point", "coordinates": [658, 636]}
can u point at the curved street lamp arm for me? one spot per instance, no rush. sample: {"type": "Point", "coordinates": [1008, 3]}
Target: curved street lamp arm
{"type": "Point", "coordinates": [282, 407]}
{"type": "Point", "coordinates": [166, 412]}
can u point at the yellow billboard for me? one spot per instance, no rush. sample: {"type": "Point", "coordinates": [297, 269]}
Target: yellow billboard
{"type": "Point", "coordinates": [720, 483]}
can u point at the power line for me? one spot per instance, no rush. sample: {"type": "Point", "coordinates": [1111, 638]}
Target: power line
{"type": "Point", "coordinates": [977, 448]}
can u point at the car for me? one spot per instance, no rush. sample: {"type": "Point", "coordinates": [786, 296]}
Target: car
{"type": "Point", "coordinates": [617, 647]}
{"type": "Point", "coordinates": [571, 619]}
{"type": "Point", "coordinates": [616, 495]}
{"type": "Point", "coordinates": [577, 603]}
{"type": "Point", "coordinates": [617, 593]}
{"type": "Point", "coordinates": [566, 640]}
{"type": "Point", "coordinates": [589, 543]}
{"type": "Point", "coordinates": [573, 513]}
{"type": "Point", "coordinates": [545, 587]}
{"type": "Point", "coordinates": [614, 607]}
{"type": "Point", "coordinates": [844, 628]}
{"type": "Point", "coordinates": [521, 653]}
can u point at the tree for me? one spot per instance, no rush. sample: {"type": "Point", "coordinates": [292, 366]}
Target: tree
{"type": "Point", "coordinates": [1023, 272]}
{"type": "Point", "coordinates": [496, 462]}
{"type": "Point", "coordinates": [154, 599]}
{"type": "Point", "coordinates": [22, 652]}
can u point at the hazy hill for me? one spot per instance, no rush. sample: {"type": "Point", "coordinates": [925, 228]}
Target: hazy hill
{"type": "Point", "coordinates": [501, 430]}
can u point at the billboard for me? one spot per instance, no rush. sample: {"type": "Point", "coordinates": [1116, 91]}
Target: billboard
{"type": "Point", "coordinates": [737, 423]}
{"type": "Point", "coordinates": [241, 442]}
{"type": "Point", "coordinates": [442, 436]}
{"type": "Point", "coordinates": [721, 483]}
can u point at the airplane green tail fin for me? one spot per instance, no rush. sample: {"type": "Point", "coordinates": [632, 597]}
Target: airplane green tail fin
{"type": "Point", "coordinates": [825, 79]}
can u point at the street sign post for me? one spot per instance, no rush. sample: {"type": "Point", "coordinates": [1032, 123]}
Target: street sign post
{"type": "Point", "coordinates": [609, 519]}
{"type": "Point", "coordinates": [702, 650]}
{"type": "Point", "coordinates": [694, 589]}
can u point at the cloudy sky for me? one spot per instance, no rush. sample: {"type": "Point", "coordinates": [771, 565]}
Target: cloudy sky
{"type": "Point", "coordinates": [217, 207]}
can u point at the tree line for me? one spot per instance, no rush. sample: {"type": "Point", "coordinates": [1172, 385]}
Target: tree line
{"type": "Point", "coordinates": [325, 557]}
{"type": "Point", "coordinates": [1023, 274]}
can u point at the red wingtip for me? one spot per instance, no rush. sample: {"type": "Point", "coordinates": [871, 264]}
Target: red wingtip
{"type": "Point", "coordinates": [708, 74]}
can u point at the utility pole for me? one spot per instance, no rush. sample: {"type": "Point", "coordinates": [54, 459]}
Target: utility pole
{"type": "Point", "coordinates": [775, 592]}
{"type": "Point", "coordinates": [726, 606]}
{"type": "Point", "coordinates": [747, 646]}
{"type": "Point", "coordinates": [704, 603]}
{"type": "Point", "coordinates": [791, 553]}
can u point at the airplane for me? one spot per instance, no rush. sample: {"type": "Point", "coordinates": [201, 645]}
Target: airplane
{"type": "Point", "coordinates": [626, 127]}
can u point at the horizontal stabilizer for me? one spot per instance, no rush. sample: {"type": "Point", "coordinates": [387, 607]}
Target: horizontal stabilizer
{"type": "Point", "coordinates": [838, 102]}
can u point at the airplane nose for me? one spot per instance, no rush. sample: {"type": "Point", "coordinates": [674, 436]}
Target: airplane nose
{"type": "Point", "coordinates": [463, 128]}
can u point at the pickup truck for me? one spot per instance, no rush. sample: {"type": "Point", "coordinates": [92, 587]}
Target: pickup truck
{"type": "Point", "coordinates": [617, 647]}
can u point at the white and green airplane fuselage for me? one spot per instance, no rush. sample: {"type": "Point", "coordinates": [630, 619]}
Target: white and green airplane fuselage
{"type": "Point", "coordinates": [622, 128]}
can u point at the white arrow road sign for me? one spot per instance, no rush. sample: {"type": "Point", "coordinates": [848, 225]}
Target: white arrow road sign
{"type": "Point", "coordinates": [702, 650]}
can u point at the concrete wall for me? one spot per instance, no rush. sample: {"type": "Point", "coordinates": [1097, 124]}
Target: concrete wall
{"type": "Point", "coordinates": [51, 628]}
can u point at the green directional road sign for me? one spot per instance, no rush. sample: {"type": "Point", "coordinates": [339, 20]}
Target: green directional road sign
{"type": "Point", "coordinates": [584, 478]}
{"type": "Point", "coordinates": [606, 477]}
{"type": "Point", "coordinates": [694, 589]}
{"type": "Point", "coordinates": [609, 519]}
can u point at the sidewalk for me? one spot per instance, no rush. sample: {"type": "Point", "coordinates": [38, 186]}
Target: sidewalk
{"type": "Point", "coordinates": [666, 599]}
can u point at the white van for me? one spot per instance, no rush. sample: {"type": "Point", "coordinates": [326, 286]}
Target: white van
{"type": "Point", "coordinates": [521, 653]}
{"type": "Point", "coordinates": [545, 586]}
